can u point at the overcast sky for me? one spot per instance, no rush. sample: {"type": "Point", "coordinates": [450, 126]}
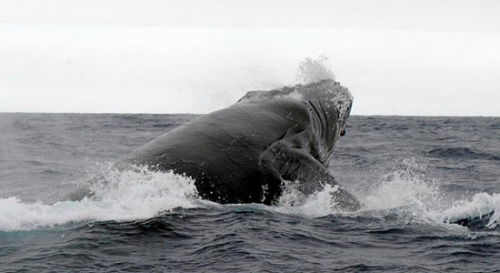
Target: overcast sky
{"type": "Point", "coordinates": [398, 57]}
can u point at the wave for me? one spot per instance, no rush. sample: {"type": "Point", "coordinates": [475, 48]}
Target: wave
{"type": "Point", "coordinates": [462, 152]}
{"type": "Point", "coordinates": [139, 195]}
{"type": "Point", "coordinates": [127, 195]}
{"type": "Point", "coordinates": [415, 198]}
{"type": "Point", "coordinates": [482, 212]}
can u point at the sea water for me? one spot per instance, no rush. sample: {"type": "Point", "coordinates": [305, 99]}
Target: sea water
{"type": "Point", "coordinates": [414, 176]}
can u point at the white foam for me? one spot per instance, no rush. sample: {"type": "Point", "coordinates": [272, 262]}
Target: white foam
{"type": "Point", "coordinates": [317, 204]}
{"type": "Point", "coordinates": [141, 194]}
{"type": "Point", "coordinates": [402, 190]}
{"type": "Point", "coordinates": [479, 206]}
{"type": "Point", "coordinates": [405, 192]}
{"type": "Point", "coordinates": [419, 199]}
{"type": "Point", "coordinates": [128, 195]}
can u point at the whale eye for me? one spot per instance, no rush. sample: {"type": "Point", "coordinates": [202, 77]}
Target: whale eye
{"type": "Point", "coordinates": [342, 132]}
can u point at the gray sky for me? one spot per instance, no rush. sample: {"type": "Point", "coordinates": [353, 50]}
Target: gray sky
{"type": "Point", "coordinates": [398, 57]}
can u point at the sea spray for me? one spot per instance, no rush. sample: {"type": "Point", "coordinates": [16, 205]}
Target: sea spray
{"type": "Point", "coordinates": [311, 70]}
{"type": "Point", "coordinates": [481, 205]}
{"type": "Point", "coordinates": [317, 204]}
{"type": "Point", "coordinates": [125, 195]}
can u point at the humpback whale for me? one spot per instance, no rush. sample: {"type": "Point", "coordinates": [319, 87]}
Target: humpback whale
{"type": "Point", "coordinates": [243, 153]}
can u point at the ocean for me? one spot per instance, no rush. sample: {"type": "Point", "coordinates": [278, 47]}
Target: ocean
{"type": "Point", "coordinates": [415, 177]}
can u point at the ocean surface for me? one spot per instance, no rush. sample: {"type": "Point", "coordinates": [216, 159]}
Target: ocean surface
{"type": "Point", "coordinates": [414, 176]}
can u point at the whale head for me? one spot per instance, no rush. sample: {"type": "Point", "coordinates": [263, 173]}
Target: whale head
{"type": "Point", "coordinates": [334, 102]}
{"type": "Point", "coordinates": [329, 102]}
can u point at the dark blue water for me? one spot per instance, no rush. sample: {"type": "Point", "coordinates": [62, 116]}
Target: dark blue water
{"type": "Point", "coordinates": [413, 175]}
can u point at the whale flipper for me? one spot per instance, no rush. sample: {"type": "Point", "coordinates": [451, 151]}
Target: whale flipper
{"type": "Point", "coordinates": [297, 165]}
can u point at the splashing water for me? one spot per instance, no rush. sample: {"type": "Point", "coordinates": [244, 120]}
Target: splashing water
{"type": "Point", "coordinates": [318, 204]}
{"type": "Point", "coordinates": [405, 187]}
{"type": "Point", "coordinates": [409, 193]}
{"type": "Point", "coordinates": [127, 195]}
{"type": "Point", "coordinates": [405, 192]}
{"type": "Point", "coordinates": [142, 194]}
{"type": "Point", "coordinates": [481, 206]}
{"type": "Point", "coordinates": [314, 70]}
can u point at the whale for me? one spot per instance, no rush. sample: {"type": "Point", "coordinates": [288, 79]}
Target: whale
{"type": "Point", "coordinates": [245, 152]}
